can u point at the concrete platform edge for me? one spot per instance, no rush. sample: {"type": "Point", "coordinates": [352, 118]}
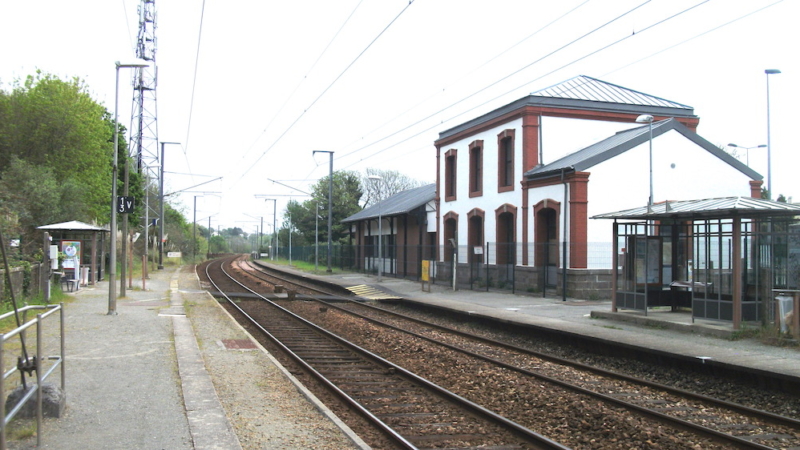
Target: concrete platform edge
{"type": "Point", "coordinates": [298, 385]}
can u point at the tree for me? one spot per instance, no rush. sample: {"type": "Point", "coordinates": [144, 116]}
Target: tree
{"type": "Point", "coordinates": [392, 182]}
{"type": "Point", "coordinates": [347, 192]}
{"type": "Point", "coordinates": [52, 123]}
{"type": "Point", "coordinates": [34, 197]}
{"type": "Point", "coordinates": [346, 197]}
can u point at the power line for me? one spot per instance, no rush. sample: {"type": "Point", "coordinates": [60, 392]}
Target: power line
{"type": "Point", "coordinates": [693, 37]}
{"type": "Point", "coordinates": [487, 62]}
{"type": "Point", "coordinates": [324, 91]}
{"type": "Point", "coordinates": [302, 80]}
{"type": "Point", "coordinates": [495, 83]}
{"type": "Point", "coordinates": [194, 78]}
{"type": "Point", "coordinates": [527, 82]}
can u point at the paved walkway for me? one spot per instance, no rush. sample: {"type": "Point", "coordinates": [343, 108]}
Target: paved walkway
{"type": "Point", "coordinates": [148, 378]}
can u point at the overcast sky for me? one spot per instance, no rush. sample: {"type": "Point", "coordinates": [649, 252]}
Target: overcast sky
{"type": "Point", "coordinates": [261, 84]}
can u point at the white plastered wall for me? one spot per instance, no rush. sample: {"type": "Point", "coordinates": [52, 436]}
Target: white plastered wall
{"type": "Point", "coordinates": [682, 170]}
{"type": "Point", "coordinates": [491, 199]}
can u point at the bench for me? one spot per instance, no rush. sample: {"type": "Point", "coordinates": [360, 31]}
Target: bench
{"type": "Point", "coordinates": [70, 282]}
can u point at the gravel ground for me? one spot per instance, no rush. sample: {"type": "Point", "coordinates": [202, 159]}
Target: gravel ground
{"type": "Point", "coordinates": [265, 408]}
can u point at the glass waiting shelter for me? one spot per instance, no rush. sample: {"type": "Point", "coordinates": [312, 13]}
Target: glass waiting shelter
{"type": "Point", "coordinates": [724, 259]}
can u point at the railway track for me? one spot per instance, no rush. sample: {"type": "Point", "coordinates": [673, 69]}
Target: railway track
{"type": "Point", "coordinates": [728, 425]}
{"type": "Point", "coordinates": [411, 411]}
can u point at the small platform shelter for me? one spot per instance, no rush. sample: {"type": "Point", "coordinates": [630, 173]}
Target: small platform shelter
{"type": "Point", "coordinates": [82, 244]}
{"type": "Point", "coordinates": [725, 259]}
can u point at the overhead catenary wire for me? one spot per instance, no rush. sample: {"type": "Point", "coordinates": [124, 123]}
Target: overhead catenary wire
{"type": "Point", "coordinates": [275, 142]}
{"type": "Point", "coordinates": [694, 37]}
{"type": "Point", "coordinates": [494, 83]}
{"type": "Point", "coordinates": [550, 72]}
{"type": "Point", "coordinates": [467, 74]}
{"type": "Point", "coordinates": [303, 79]}
{"type": "Point", "coordinates": [194, 78]}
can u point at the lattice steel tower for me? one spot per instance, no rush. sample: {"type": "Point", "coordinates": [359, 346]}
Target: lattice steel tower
{"type": "Point", "coordinates": [144, 124]}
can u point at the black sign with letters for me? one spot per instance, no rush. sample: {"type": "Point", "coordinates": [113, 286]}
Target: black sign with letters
{"type": "Point", "coordinates": [125, 205]}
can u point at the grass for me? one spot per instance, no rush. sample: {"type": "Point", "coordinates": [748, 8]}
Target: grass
{"type": "Point", "coordinates": [21, 429]}
{"type": "Point", "coordinates": [305, 266]}
{"type": "Point", "coordinates": [56, 297]}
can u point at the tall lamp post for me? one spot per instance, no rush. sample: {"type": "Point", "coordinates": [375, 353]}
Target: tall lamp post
{"type": "Point", "coordinates": [648, 119]}
{"type": "Point", "coordinates": [112, 272]}
{"type": "Point", "coordinates": [769, 142]}
{"type": "Point", "coordinates": [376, 180]}
{"type": "Point", "coordinates": [161, 207]}
{"type": "Point", "coordinates": [747, 149]}
{"type": "Point", "coordinates": [330, 204]}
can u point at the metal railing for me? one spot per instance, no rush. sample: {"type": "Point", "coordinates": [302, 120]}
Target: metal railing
{"type": "Point", "coordinates": [43, 371]}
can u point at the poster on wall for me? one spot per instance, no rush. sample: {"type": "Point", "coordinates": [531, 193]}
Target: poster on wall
{"type": "Point", "coordinates": [72, 253]}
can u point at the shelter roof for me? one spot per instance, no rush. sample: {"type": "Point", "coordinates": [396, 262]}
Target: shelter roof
{"type": "Point", "coordinates": [400, 203]}
{"type": "Point", "coordinates": [716, 208]}
{"type": "Point", "coordinates": [73, 225]}
{"type": "Point", "coordinates": [583, 93]}
{"type": "Point", "coordinates": [626, 140]}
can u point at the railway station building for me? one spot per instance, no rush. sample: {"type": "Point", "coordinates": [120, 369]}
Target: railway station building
{"type": "Point", "coordinates": [515, 187]}
{"type": "Point", "coordinates": [516, 190]}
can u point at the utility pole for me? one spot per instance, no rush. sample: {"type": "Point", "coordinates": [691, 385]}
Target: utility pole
{"type": "Point", "coordinates": [161, 203]}
{"type": "Point", "coordinates": [330, 205]}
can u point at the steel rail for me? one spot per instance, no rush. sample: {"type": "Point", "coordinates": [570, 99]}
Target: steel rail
{"type": "Point", "coordinates": [677, 422]}
{"type": "Point", "coordinates": [738, 407]}
{"type": "Point", "coordinates": [533, 437]}
{"type": "Point", "coordinates": [383, 427]}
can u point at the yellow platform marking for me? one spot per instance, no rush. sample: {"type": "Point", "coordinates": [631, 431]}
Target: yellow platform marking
{"type": "Point", "coordinates": [371, 293]}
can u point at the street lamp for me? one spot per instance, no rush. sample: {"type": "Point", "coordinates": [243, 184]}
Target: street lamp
{"type": "Point", "coordinates": [747, 149]}
{"type": "Point", "coordinates": [769, 143]}
{"type": "Point", "coordinates": [648, 119]}
{"type": "Point", "coordinates": [330, 204]}
{"type": "Point", "coordinates": [376, 180]}
{"type": "Point", "coordinates": [161, 215]}
{"type": "Point", "coordinates": [112, 273]}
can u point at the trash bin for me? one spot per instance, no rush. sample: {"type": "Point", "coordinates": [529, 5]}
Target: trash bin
{"type": "Point", "coordinates": [84, 276]}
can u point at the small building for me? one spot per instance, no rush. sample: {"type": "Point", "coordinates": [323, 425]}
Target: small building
{"type": "Point", "coordinates": [82, 244]}
{"type": "Point", "coordinates": [406, 223]}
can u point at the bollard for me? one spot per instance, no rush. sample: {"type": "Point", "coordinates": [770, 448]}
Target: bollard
{"type": "Point", "coordinates": [278, 288]}
{"type": "Point", "coordinates": [290, 295]}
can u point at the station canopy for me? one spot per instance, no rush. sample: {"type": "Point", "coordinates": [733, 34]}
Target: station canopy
{"type": "Point", "coordinates": [716, 208]}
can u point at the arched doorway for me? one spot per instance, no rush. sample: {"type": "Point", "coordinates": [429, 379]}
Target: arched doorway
{"type": "Point", "coordinates": [546, 240]}
{"type": "Point", "coordinates": [506, 240]}
{"type": "Point", "coordinates": [450, 235]}
{"type": "Point", "coordinates": [475, 235]}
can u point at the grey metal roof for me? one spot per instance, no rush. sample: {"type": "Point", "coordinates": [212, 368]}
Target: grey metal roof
{"type": "Point", "coordinates": [584, 93]}
{"type": "Point", "coordinates": [724, 207]}
{"type": "Point", "coordinates": [626, 140]}
{"type": "Point", "coordinates": [592, 89]}
{"type": "Point", "coordinates": [73, 225]}
{"type": "Point", "coordinates": [400, 203]}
